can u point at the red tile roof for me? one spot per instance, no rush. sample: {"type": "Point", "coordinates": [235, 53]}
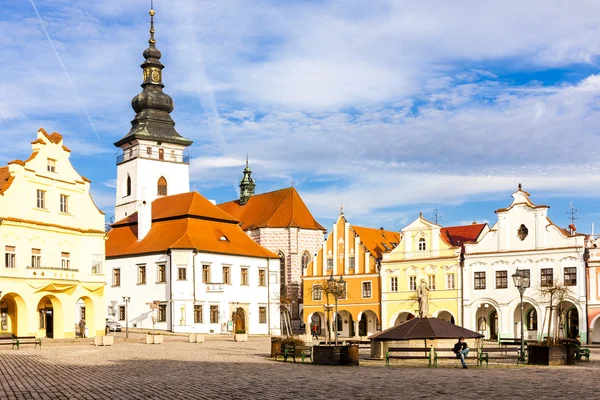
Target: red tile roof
{"type": "Point", "coordinates": [184, 221]}
{"type": "Point", "coordinates": [279, 209]}
{"type": "Point", "coordinates": [459, 235]}
{"type": "Point", "coordinates": [374, 239]}
{"type": "Point", "coordinates": [5, 179]}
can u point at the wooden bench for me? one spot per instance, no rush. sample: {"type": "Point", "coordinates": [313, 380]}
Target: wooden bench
{"type": "Point", "coordinates": [7, 339]}
{"type": "Point", "coordinates": [500, 353]}
{"type": "Point", "coordinates": [293, 351]}
{"type": "Point", "coordinates": [19, 340]}
{"type": "Point", "coordinates": [427, 354]}
{"type": "Point", "coordinates": [452, 355]}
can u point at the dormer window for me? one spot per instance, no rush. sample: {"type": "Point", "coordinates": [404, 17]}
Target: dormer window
{"type": "Point", "coordinates": [51, 165]}
{"type": "Point", "coordinates": [224, 239]}
{"type": "Point", "coordinates": [422, 244]}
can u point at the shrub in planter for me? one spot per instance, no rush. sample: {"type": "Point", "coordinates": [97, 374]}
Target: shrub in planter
{"type": "Point", "coordinates": [291, 340]}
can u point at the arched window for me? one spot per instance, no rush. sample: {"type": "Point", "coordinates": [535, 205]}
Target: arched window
{"type": "Point", "coordinates": [162, 186]}
{"type": "Point", "coordinates": [422, 244]}
{"type": "Point", "coordinates": [532, 320]}
{"type": "Point", "coordinates": [305, 259]}
{"type": "Point", "coordinates": [282, 273]}
{"type": "Point", "coordinates": [127, 186]}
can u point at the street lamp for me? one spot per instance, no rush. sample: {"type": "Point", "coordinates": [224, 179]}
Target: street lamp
{"type": "Point", "coordinates": [338, 286]}
{"type": "Point", "coordinates": [126, 299]}
{"type": "Point", "coordinates": [522, 282]}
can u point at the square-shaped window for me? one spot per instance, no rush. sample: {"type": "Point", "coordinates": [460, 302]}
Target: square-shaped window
{"type": "Point", "coordinates": [431, 282]}
{"type": "Point", "coordinates": [366, 290]}
{"type": "Point", "coordinates": [41, 199]}
{"type": "Point", "coordinates": [351, 262]}
{"type": "Point", "coordinates": [501, 279]}
{"type": "Point", "coordinates": [261, 278]}
{"type": "Point", "coordinates": [226, 275]}
{"type": "Point", "coordinates": [36, 258]}
{"type": "Point", "coordinates": [479, 280]}
{"type": "Point", "coordinates": [262, 315]}
{"type": "Point", "coordinates": [141, 274]}
{"type": "Point", "coordinates": [330, 263]}
{"type": "Point", "coordinates": [182, 273]}
{"type": "Point", "coordinates": [450, 281]}
{"type": "Point", "coordinates": [162, 313]}
{"type": "Point", "coordinates": [197, 313]}
{"type": "Point", "coordinates": [161, 273]}
{"type": "Point", "coordinates": [317, 292]}
{"type": "Point", "coordinates": [205, 273]}
{"type": "Point", "coordinates": [65, 260]}
{"type": "Point", "coordinates": [97, 264]}
{"type": "Point", "coordinates": [51, 165]}
{"type": "Point", "coordinates": [546, 277]}
{"type": "Point", "coordinates": [121, 313]}
{"type": "Point", "coordinates": [10, 256]}
{"type": "Point", "coordinates": [570, 276]}
{"type": "Point", "coordinates": [394, 284]}
{"type": "Point", "coordinates": [412, 283]}
{"type": "Point", "coordinates": [116, 281]}
{"type": "Point", "coordinates": [64, 203]}
{"type": "Point", "coordinates": [244, 276]}
{"type": "Point", "coordinates": [214, 314]}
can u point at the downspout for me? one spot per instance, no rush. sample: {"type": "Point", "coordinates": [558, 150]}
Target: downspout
{"type": "Point", "coordinates": [195, 252]}
{"type": "Point", "coordinates": [586, 257]}
{"type": "Point", "coordinates": [462, 285]}
{"type": "Point", "coordinates": [378, 265]}
{"type": "Point", "coordinates": [170, 302]}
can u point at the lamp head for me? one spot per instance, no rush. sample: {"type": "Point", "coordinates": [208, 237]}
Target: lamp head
{"type": "Point", "coordinates": [341, 281]}
{"type": "Point", "coordinates": [331, 280]}
{"type": "Point", "coordinates": [518, 278]}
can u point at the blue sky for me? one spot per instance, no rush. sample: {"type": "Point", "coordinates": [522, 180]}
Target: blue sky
{"type": "Point", "coordinates": [390, 106]}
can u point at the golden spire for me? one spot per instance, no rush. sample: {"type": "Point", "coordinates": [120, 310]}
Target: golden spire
{"type": "Point", "coordinates": [152, 41]}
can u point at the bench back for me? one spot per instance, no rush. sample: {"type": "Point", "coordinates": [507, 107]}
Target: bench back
{"type": "Point", "coordinates": [303, 348]}
{"type": "Point", "coordinates": [6, 335]}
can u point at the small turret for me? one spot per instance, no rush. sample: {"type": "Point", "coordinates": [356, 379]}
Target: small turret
{"type": "Point", "coordinates": [247, 185]}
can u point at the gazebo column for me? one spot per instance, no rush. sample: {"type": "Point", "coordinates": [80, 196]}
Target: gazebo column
{"type": "Point", "coordinates": [356, 335]}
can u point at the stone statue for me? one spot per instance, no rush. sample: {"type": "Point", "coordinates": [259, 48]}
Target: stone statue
{"type": "Point", "coordinates": [423, 298]}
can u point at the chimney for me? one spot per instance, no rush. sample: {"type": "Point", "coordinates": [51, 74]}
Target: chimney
{"type": "Point", "coordinates": [144, 211]}
{"type": "Point", "coordinates": [572, 229]}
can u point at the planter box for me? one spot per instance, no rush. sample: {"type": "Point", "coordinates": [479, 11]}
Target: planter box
{"type": "Point", "coordinates": [192, 337]}
{"type": "Point", "coordinates": [154, 339]}
{"type": "Point", "coordinates": [199, 338]}
{"type": "Point", "coordinates": [104, 340]}
{"type": "Point", "coordinates": [240, 337]}
{"type": "Point", "coordinates": [547, 355]}
{"type": "Point", "coordinates": [330, 355]}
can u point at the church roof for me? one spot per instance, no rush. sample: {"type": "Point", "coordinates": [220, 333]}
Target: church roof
{"type": "Point", "coordinates": [458, 235]}
{"type": "Point", "coordinates": [184, 221]}
{"type": "Point", "coordinates": [282, 208]}
{"type": "Point", "coordinates": [377, 241]}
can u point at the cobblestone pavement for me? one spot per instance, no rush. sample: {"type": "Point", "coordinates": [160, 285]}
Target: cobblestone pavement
{"type": "Point", "coordinates": [221, 368]}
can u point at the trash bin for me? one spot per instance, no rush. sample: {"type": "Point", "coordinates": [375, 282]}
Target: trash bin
{"type": "Point", "coordinates": [275, 346]}
{"type": "Point", "coordinates": [353, 354]}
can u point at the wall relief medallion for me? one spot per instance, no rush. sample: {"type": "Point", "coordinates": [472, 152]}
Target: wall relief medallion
{"type": "Point", "coordinates": [522, 232]}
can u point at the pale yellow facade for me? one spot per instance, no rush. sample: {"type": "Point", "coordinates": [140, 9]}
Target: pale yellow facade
{"type": "Point", "coordinates": [426, 254]}
{"type": "Point", "coordinates": [52, 241]}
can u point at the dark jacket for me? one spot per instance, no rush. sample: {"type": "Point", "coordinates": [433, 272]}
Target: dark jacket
{"type": "Point", "coordinates": [459, 346]}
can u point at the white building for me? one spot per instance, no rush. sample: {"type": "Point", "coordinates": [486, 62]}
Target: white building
{"type": "Point", "coordinates": [524, 238]}
{"type": "Point", "coordinates": [173, 253]}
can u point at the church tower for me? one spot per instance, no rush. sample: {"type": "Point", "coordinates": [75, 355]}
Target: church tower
{"type": "Point", "coordinates": [247, 185]}
{"type": "Point", "coordinates": [152, 162]}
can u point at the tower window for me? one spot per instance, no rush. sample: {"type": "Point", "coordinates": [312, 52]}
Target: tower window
{"type": "Point", "coordinates": [128, 186]}
{"type": "Point", "coordinates": [161, 154]}
{"type": "Point", "coordinates": [162, 186]}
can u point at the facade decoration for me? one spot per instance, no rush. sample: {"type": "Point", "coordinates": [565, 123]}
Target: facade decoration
{"type": "Point", "coordinates": [52, 239]}
{"type": "Point", "coordinates": [423, 275]}
{"type": "Point", "coordinates": [354, 253]}
{"type": "Point", "coordinates": [549, 254]}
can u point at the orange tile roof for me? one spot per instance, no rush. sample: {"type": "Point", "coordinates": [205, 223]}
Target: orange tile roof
{"type": "Point", "coordinates": [5, 179]}
{"type": "Point", "coordinates": [459, 235]}
{"type": "Point", "coordinates": [184, 221]}
{"type": "Point", "coordinates": [374, 239]}
{"type": "Point", "coordinates": [39, 223]}
{"type": "Point", "coordinates": [282, 208]}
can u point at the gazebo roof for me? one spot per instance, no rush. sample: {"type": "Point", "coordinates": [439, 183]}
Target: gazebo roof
{"type": "Point", "coordinates": [425, 328]}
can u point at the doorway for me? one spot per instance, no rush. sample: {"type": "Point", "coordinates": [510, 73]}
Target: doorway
{"type": "Point", "coordinates": [239, 320]}
{"type": "Point", "coordinates": [49, 321]}
{"type": "Point", "coordinates": [493, 325]}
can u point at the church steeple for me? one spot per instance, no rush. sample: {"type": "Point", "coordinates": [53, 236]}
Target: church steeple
{"type": "Point", "coordinates": [152, 106]}
{"type": "Point", "coordinates": [247, 185]}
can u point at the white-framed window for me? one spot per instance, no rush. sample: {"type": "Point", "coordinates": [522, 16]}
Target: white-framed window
{"type": "Point", "coordinates": [161, 273]}
{"type": "Point", "coordinates": [214, 314]}
{"type": "Point", "coordinates": [412, 283]}
{"type": "Point", "coordinates": [479, 280]}
{"type": "Point", "coordinates": [36, 258]}
{"type": "Point", "coordinates": [41, 199]}
{"type": "Point", "coordinates": [205, 273]}
{"type": "Point", "coordinates": [226, 275]}
{"type": "Point", "coordinates": [450, 281]}
{"type": "Point", "coordinates": [351, 262]}
{"type": "Point", "coordinates": [96, 264]}
{"type": "Point", "coordinates": [244, 276]}
{"type": "Point", "coordinates": [367, 293]}
{"type": "Point", "coordinates": [141, 274]}
{"type": "Point", "coordinates": [182, 274]}
{"type": "Point", "coordinates": [317, 292]}
{"type": "Point", "coordinates": [10, 256]}
{"type": "Point", "coordinates": [162, 313]}
{"type": "Point", "coordinates": [51, 165]}
{"type": "Point", "coordinates": [431, 282]}
{"type": "Point", "coordinates": [198, 313]}
{"type": "Point", "coordinates": [329, 262]}
{"type": "Point", "coordinates": [116, 281]}
{"type": "Point", "coordinates": [65, 260]}
{"type": "Point", "coordinates": [394, 284]}
{"type": "Point", "coordinates": [64, 203]}
{"type": "Point", "coordinates": [262, 315]}
{"type": "Point", "coordinates": [261, 277]}
{"type": "Point", "coordinates": [422, 244]}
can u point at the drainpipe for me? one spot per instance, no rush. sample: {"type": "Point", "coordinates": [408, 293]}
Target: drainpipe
{"type": "Point", "coordinates": [586, 257]}
{"type": "Point", "coordinates": [462, 285]}
{"type": "Point", "coordinates": [268, 297]}
{"type": "Point", "coordinates": [380, 302]}
{"type": "Point", "coordinates": [195, 252]}
{"type": "Point", "coordinates": [170, 301]}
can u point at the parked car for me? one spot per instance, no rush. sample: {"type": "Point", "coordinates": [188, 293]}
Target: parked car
{"type": "Point", "coordinates": [112, 326]}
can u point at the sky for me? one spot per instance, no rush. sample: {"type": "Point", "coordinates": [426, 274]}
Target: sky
{"type": "Point", "coordinates": [390, 107]}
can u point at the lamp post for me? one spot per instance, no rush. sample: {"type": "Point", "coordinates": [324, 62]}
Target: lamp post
{"type": "Point", "coordinates": [337, 287]}
{"type": "Point", "coordinates": [126, 299]}
{"type": "Point", "coordinates": [522, 282]}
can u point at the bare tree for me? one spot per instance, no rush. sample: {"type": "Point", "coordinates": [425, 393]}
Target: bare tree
{"type": "Point", "coordinates": [329, 291]}
{"type": "Point", "coordinates": [554, 295]}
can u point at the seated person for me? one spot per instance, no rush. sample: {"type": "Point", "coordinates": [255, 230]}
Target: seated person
{"type": "Point", "coordinates": [461, 349]}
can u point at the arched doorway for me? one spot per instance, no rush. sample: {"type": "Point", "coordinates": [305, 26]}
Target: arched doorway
{"type": "Point", "coordinates": [13, 314]}
{"type": "Point", "coordinates": [317, 319]}
{"type": "Point", "coordinates": [239, 320]}
{"type": "Point", "coordinates": [403, 317]}
{"type": "Point", "coordinates": [493, 324]}
{"type": "Point", "coordinates": [84, 310]}
{"type": "Point", "coordinates": [530, 321]}
{"type": "Point", "coordinates": [368, 323]}
{"type": "Point", "coordinates": [571, 323]}
{"type": "Point", "coordinates": [51, 317]}
{"type": "Point", "coordinates": [446, 316]}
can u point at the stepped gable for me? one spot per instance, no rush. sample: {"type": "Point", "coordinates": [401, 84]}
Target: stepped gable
{"type": "Point", "coordinates": [374, 239]}
{"type": "Point", "coordinates": [184, 221]}
{"type": "Point", "coordinates": [282, 208]}
{"type": "Point", "coordinates": [459, 235]}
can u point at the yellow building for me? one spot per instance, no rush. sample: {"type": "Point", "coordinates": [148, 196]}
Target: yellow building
{"type": "Point", "coordinates": [351, 252]}
{"type": "Point", "coordinates": [429, 253]}
{"type": "Point", "coordinates": [52, 238]}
